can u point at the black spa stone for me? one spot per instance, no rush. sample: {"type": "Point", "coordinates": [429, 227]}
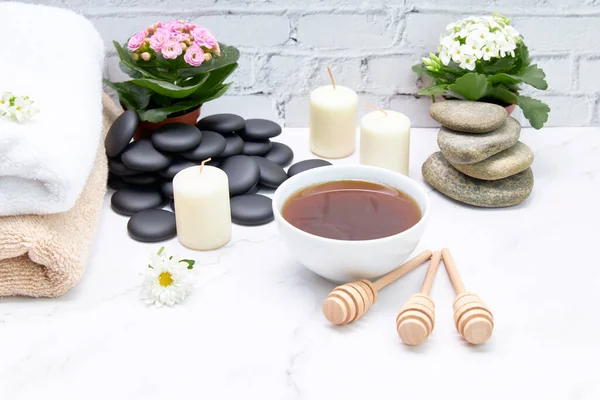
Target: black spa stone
{"type": "Point", "coordinates": [224, 124]}
{"type": "Point", "coordinates": [233, 146]}
{"type": "Point", "coordinates": [172, 205]}
{"type": "Point", "coordinates": [116, 182]}
{"type": "Point", "coordinates": [176, 166]}
{"type": "Point", "coordinates": [254, 190]}
{"type": "Point", "coordinates": [260, 129]}
{"type": "Point", "coordinates": [141, 179]}
{"type": "Point", "coordinates": [142, 156]}
{"type": "Point", "coordinates": [243, 174]}
{"type": "Point", "coordinates": [128, 201]}
{"type": "Point", "coordinates": [176, 137]}
{"type": "Point", "coordinates": [256, 148]}
{"type": "Point", "coordinates": [271, 174]}
{"type": "Point", "coordinates": [212, 145]}
{"type": "Point", "coordinates": [251, 209]}
{"type": "Point", "coordinates": [280, 154]}
{"type": "Point", "coordinates": [306, 165]}
{"type": "Point", "coordinates": [167, 189]}
{"type": "Point", "coordinates": [116, 166]}
{"type": "Point", "coordinates": [152, 226]}
{"type": "Point", "coordinates": [121, 132]}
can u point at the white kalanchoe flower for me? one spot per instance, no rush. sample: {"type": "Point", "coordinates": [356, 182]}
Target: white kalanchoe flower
{"type": "Point", "coordinates": [478, 38]}
{"type": "Point", "coordinates": [168, 280]}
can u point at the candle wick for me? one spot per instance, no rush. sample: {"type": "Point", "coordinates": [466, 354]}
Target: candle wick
{"type": "Point", "coordinates": [377, 108]}
{"type": "Point", "coordinates": [204, 162]}
{"type": "Point", "coordinates": [331, 76]}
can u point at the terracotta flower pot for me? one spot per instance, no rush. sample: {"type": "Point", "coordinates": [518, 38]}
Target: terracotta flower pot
{"type": "Point", "coordinates": [146, 128]}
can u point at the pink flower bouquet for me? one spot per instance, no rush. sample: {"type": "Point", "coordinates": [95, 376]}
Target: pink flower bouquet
{"type": "Point", "coordinates": [175, 67]}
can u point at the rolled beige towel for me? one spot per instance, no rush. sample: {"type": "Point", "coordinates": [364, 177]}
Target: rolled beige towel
{"type": "Point", "coordinates": [45, 255]}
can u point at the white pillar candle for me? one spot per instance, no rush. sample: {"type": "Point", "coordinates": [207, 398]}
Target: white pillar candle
{"type": "Point", "coordinates": [385, 140]}
{"type": "Point", "coordinates": [333, 110]}
{"type": "Point", "coordinates": [202, 208]}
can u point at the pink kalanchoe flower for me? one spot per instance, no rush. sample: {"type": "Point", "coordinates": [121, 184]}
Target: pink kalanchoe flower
{"type": "Point", "coordinates": [173, 25]}
{"type": "Point", "coordinates": [160, 37]}
{"type": "Point", "coordinates": [194, 55]}
{"type": "Point", "coordinates": [145, 56]}
{"type": "Point", "coordinates": [136, 41]}
{"type": "Point", "coordinates": [180, 36]}
{"type": "Point", "coordinates": [217, 49]}
{"type": "Point", "coordinates": [171, 49]}
{"type": "Point", "coordinates": [203, 37]}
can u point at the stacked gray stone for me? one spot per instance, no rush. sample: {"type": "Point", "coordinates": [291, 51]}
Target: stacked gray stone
{"type": "Point", "coordinates": [481, 162]}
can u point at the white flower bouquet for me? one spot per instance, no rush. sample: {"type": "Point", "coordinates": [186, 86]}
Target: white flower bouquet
{"type": "Point", "coordinates": [485, 59]}
{"type": "Point", "coordinates": [17, 108]}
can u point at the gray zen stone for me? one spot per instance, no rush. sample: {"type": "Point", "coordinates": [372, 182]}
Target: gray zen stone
{"type": "Point", "coordinates": [271, 174]}
{"type": "Point", "coordinates": [167, 189]}
{"type": "Point", "coordinates": [251, 209]}
{"type": "Point", "coordinates": [224, 124]}
{"type": "Point", "coordinates": [469, 148]}
{"type": "Point", "coordinates": [128, 201]}
{"type": "Point", "coordinates": [280, 154]}
{"type": "Point", "coordinates": [468, 116]}
{"type": "Point", "coordinates": [233, 146]}
{"type": "Point", "coordinates": [116, 182]}
{"type": "Point", "coordinates": [256, 148]}
{"type": "Point", "coordinates": [118, 168]}
{"type": "Point", "coordinates": [175, 167]}
{"type": "Point", "coordinates": [121, 132]}
{"type": "Point", "coordinates": [142, 156]}
{"type": "Point", "coordinates": [144, 179]}
{"type": "Point", "coordinates": [499, 193]}
{"type": "Point", "coordinates": [306, 165]}
{"type": "Point", "coordinates": [243, 174]}
{"type": "Point", "coordinates": [152, 226]}
{"type": "Point", "coordinates": [501, 165]}
{"type": "Point", "coordinates": [212, 145]}
{"type": "Point", "coordinates": [176, 137]}
{"type": "Point", "coordinates": [260, 129]}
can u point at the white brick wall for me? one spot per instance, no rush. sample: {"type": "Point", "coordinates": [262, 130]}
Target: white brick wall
{"type": "Point", "coordinates": [370, 44]}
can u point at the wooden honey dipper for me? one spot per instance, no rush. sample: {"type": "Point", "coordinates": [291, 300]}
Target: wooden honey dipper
{"type": "Point", "coordinates": [473, 319]}
{"type": "Point", "coordinates": [416, 319]}
{"type": "Point", "coordinates": [349, 302]}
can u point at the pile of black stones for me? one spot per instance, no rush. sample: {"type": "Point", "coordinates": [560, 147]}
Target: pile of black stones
{"type": "Point", "coordinates": [142, 171]}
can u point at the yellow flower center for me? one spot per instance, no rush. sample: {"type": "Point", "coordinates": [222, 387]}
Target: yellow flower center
{"type": "Point", "coordinates": [165, 279]}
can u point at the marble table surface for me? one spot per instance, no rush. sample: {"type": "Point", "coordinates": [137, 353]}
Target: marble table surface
{"type": "Point", "coordinates": [253, 327]}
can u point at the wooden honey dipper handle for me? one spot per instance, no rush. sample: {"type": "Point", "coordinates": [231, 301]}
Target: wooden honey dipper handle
{"type": "Point", "coordinates": [402, 270]}
{"type": "Point", "coordinates": [431, 271]}
{"type": "Point", "coordinates": [453, 272]}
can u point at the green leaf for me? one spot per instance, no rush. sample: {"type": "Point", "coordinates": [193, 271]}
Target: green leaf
{"type": "Point", "coordinates": [127, 61]}
{"type": "Point", "coordinates": [129, 71]}
{"type": "Point", "coordinates": [504, 79]}
{"type": "Point", "coordinates": [216, 77]}
{"type": "Point", "coordinates": [471, 86]}
{"type": "Point", "coordinates": [190, 263]}
{"type": "Point", "coordinates": [502, 93]}
{"type": "Point", "coordinates": [434, 90]}
{"type": "Point", "coordinates": [499, 65]}
{"type": "Point", "coordinates": [170, 89]}
{"type": "Point", "coordinates": [160, 114]}
{"type": "Point", "coordinates": [534, 110]}
{"type": "Point", "coordinates": [132, 96]}
{"type": "Point", "coordinates": [534, 76]}
{"type": "Point", "coordinates": [229, 55]}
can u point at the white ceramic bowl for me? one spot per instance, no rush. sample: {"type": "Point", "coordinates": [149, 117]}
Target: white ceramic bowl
{"type": "Point", "coordinates": [344, 260]}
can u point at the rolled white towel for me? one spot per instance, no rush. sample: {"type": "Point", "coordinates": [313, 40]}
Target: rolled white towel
{"type": "Point", "coordinates": [55, 57]}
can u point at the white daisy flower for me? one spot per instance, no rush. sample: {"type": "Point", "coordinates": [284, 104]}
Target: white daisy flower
{"type": "Point", "coordinates": [167, 281]}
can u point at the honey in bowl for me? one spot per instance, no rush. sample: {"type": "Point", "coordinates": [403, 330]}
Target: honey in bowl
{"type": "Point", "coordinates": [351, 210]}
